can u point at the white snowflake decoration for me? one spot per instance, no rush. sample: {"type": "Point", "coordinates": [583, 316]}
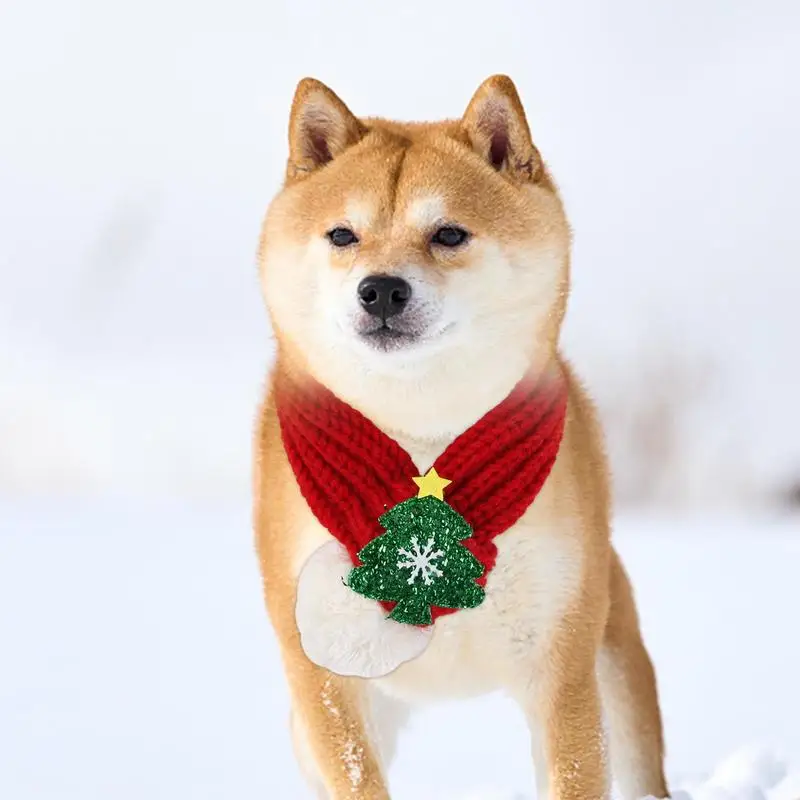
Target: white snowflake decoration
{"type": "Point", "coordinates": [420, 561]}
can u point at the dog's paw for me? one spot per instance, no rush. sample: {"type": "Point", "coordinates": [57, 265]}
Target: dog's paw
{"type": "Point", "coordinates": [343, 631]}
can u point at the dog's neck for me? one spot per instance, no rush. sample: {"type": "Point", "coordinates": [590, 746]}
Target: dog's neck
{"type": "Point", "coordinates": [426, 412]}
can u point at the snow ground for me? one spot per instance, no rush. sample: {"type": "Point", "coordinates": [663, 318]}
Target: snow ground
{"type": "Point", "coordinates": [138, 663]}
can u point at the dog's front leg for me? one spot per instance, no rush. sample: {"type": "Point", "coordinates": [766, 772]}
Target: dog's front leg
{"type": "Point", "coordinates": [565, 719]}
{"type": "Point", "coordinates": [331, 734]}
{"type": "Point", "coordinates": [331, 715]}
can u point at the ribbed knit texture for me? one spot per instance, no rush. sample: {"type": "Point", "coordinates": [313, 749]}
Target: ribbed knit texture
{"type": "Point", "coordinates": [350, 472]}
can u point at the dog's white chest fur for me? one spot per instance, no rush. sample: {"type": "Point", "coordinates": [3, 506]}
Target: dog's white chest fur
{"type": "Point", "coordinates": [473, 651]}
{"type": "Point", "coordinates": [537, 573]}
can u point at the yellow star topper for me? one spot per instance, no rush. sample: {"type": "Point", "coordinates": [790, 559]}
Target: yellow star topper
{"type": "Point", "coordinates": [431, 484]}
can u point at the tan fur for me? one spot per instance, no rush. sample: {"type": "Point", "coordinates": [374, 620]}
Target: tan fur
{"type": "Point", "coordinates": [559, 626]}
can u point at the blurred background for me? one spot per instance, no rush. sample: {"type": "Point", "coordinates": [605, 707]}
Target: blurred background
{"type": "Point", "coordinates": [140, 143]}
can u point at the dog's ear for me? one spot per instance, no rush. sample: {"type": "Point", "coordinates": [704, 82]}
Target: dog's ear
{"type": "Point", "coordinates": [496, 126]}
{"type": "Point", "coordinates": [321, 127]}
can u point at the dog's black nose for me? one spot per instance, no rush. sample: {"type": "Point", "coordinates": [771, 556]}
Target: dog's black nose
{"type": "Point", "coordinates": [384, 295]}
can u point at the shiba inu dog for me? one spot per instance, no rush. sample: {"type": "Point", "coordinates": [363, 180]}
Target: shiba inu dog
{"type": "Point", "coordinates": [418, 272]}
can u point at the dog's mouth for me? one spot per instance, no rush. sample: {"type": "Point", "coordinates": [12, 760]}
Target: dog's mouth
{"type": "Point", "coordinates": [384, 337]}
{"type": "Point", "coordinates": [388, 338]}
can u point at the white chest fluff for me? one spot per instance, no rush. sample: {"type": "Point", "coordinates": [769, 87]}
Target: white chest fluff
{"type": "Point", "coordinates": [477, 650]}
{"type": "Point", "coordinates": [468, 652]}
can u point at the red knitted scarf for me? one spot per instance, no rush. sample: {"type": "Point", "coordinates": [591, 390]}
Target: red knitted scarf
{"type": "Point", "coordinates": [350, 472]}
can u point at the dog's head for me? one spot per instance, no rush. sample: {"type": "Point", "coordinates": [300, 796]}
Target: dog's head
{"type": "Point", "coordinates": [400, 259]}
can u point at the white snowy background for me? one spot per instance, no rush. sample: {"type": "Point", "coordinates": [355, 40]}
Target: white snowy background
{"type": "Point", "coordinates": [139, 145]}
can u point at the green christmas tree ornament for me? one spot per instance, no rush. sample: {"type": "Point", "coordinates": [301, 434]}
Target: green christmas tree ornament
{"type": "Point", "coordinates": [420, 561]}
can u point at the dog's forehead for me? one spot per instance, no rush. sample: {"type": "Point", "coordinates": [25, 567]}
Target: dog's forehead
{"type": "Point", "coordinates": [365, 210]}
{"type": "Point", "coordinates": [404, 191]}
{"type": "Point", "coordinates": [417, 191]}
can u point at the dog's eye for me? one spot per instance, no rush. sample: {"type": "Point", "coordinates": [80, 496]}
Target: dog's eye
{"type": "Point", "coordinates": [449, 236]}
{"type": "Point", "coordinates": [341, 237]}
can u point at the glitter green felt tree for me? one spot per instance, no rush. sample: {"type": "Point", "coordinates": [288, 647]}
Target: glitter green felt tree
{"type": "Point", "coordinates": [420, 561]}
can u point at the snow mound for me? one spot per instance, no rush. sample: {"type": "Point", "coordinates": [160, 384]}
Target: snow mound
{"type": "Point", "coordinates": [749, 774]}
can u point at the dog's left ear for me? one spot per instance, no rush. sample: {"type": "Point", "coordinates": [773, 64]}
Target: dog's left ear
{"type": "Point", "coordinates": [321, 127]}
{"type": "Point", "coordinates": [496, 126]}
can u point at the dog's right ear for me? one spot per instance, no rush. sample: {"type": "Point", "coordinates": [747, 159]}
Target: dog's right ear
{"type": "Point", "coordinates": [321, 127]}
{"type": "Point", "coordinates": [498, 130]}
